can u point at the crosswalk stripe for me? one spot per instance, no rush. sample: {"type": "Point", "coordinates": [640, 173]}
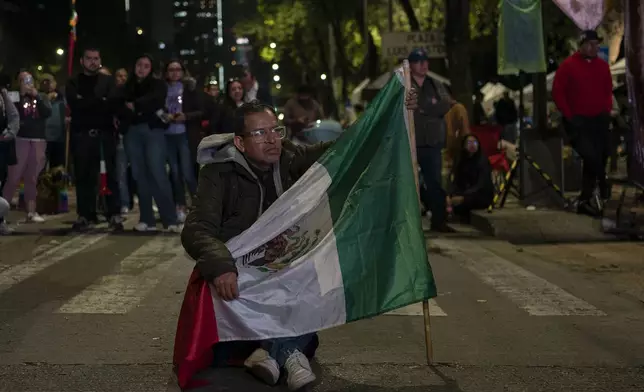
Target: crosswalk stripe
{"type": "Point", "coordinates": [18, 273]}
{"type": "Point", "coordinates": [134, 278]}
{"type": "Point", "coordinates": [417, 310]}
{"type": "Point", "coordinates": [530, 292]}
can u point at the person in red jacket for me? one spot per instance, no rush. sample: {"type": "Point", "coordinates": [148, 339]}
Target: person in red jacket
{"type": "Point", "coordinates": [583, 92]}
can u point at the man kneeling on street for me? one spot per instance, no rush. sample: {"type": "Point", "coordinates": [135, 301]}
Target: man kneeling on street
{"type": "Point", "coordinates": [241, 177]}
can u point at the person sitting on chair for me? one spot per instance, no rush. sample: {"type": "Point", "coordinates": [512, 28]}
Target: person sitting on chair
{"type": "Point", "coordinates": [471, 187]}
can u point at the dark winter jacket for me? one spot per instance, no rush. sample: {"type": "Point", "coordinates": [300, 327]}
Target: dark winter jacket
{"type": "Point", "coordinates": [148, 96]}
{"type": "Point", "coordinates": [230, 198]}
{"type": "Point", "coordinates": [429, 117]}
{"type": "Point", "coordinates": [93, 101]}
{"type": "Point", "coordinates": [34, 112]}
{"type": "Point", "coordinates": [472, 176]}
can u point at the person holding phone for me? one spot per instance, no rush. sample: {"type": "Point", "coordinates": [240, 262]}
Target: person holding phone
{"type": "Point", "coordinates": [31, 145]}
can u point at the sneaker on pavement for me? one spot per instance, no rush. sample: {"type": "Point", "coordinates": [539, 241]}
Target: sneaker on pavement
{"type": "Point", "coordinates": [143, 227]}
{"type": "Point", "coordinates": [33, 217]}
{"type": "Point", "coordinates": [82, 224]}
{"type": "Point", "coordinates": [116, 223]}
{"type": "Point", "coordinates": [5, 229]}
{"type": "Point", "coordinates": [263, 366]}
{"type": "Point", "coordinates": [299, 371]}
{"type": "Point", "coordinates": [174, 229]}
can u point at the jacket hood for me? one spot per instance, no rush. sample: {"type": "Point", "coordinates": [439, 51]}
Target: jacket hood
{"type": "Point", "coordinates": [219, 148]}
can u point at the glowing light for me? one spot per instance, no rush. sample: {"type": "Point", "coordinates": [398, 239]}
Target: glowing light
{"type": "Point", "coordinates": [273, 45]}
{"type": "Point", "coordinates": [161, 45]}
{"type": "Point", "coordinates": [40, 68]}
{"type": "Point", "coordinates": [139, 31]}
{"type": "Point", "coordinates": [276, 78]}
{"type": "Point", "coordinates": [323, 76]}
{"type": "Point", "coordinates": [275, 67]}
{"type": "Point", "coordinates": [280, 116]}
{"type": "Point", "coordinates": [278, 86]}
{"type": "Point", "coordinates": [60, 51]}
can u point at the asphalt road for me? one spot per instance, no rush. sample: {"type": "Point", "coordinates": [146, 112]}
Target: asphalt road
{"type": "Point", "coordinates": [98, 313]}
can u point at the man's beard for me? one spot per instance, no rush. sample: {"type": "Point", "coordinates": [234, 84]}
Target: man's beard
{"type": "Point", "coordinates": [90, 71]}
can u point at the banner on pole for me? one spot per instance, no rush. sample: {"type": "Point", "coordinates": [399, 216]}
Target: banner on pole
{"type": "Point", "coordinates": [587, 14]}
{"type": "Point", "coordinates": [520, 38]}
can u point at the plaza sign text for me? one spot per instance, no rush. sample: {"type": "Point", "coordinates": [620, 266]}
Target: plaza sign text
{"type": "Point", "coordinates": [399, 45]}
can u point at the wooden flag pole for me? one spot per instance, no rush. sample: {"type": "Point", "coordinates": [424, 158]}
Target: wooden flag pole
{"type": "Point", "coordinates": [411, 132]}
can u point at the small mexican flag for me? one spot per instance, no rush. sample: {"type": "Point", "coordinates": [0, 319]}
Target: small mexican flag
{"type": "Point", "coordinates": [343, 244]}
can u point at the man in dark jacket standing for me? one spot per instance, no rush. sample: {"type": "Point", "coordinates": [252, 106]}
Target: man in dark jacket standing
{"type": "Point", "coordinates": [583, 92]}
{"type": "Point", "coordinates": [238, 182]}
{"type": "Point", "coordinates": [432, 105]}
{"type": "Point", "coordinates": [93, 100]}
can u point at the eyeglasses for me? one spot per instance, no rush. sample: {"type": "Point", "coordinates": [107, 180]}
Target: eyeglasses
{"type": "Point", "coordinates": [263, 135]}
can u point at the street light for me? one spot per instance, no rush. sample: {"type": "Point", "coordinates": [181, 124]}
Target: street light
{"type": "Point", "coordinates": [139, 31]}
{"type": "Point", "coordinates": [273, 45]}
{"type": "Point", "coordinates": [40, 68]}
{"type": "Point", "coordinates": [323, 76]}
{"type": "Point", "coordinates": [276, 78]}
{"type": "Point", "coordinates": [60, 51]}
{"type": "Point", "coordinates": [275, 67]}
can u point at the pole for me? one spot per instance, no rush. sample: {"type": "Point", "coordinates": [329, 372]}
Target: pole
{"type": "Point", "coordinates": [411, 133]}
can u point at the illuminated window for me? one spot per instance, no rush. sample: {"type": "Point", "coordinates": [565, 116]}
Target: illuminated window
{"type": "Point", "coordinates": [180, 14]}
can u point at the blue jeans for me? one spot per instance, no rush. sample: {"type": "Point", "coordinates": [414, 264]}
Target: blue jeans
{"type": "Point", "coordinates": [146, 150]}
{"type": "Point", "coordinates": [430, 159]}
{"type": "Point", "coordinates": [121, 172]}
{"type": "Point", "coordinates": [181, 167]}
{"type": "Point", "coordinates": [281, 349]}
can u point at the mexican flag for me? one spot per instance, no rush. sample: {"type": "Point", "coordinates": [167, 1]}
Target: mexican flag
{"type": "Point", "coordinates": [343, 244]}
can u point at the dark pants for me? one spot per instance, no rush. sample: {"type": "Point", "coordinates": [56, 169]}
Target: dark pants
{"type": "Point", "coordinates": [55, 154]}
{"type": "Point", "coordinates": [476, 201]}
{"type": "Point", "coordinates": [181, 167]}
{"type": "Point", "coordinates": [234, 353]}
{"type": "Point", "coordinates": [430, 159]}
{"type": "Point", "coordinates": [590, 137]}
{"type": "Point", "coordinates": [86, 154]}
{"type": "Point", "coordinates": [146, 151]}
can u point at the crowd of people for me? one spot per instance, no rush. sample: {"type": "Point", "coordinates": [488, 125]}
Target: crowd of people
{"type": "Point", "coordinates": [137, 131]}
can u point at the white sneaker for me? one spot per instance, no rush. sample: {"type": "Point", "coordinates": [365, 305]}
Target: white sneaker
{"type": "Point", "coordinates": [35, 218]}
{"type": "Point", "coordinates": [143, 227]}
{"type": "Point", "coordinates": [263, 366]}
{"type": "Point", "coordinates": [5, 229]}
{"type": "Point", "coordinates": [174, 229]}
{"type": "Point", "coordinates": [299, 371]}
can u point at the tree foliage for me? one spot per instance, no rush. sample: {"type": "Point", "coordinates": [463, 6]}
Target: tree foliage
{"type": "Point", "coordinates": [302, 30]}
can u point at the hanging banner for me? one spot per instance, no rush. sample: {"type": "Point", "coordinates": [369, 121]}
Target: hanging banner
{"type": "Point", "coordinates": [634, 45]}
{"type": "Point", "coordinates": [587, 14]}
{"type": "Point", "coordinates": [520, 43]}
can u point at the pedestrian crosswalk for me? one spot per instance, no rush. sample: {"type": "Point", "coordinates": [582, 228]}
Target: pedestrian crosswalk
{"type": "Point", "coordinates": [133, 279]}
{"type": "Point", "coordinates": [138, 273]}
